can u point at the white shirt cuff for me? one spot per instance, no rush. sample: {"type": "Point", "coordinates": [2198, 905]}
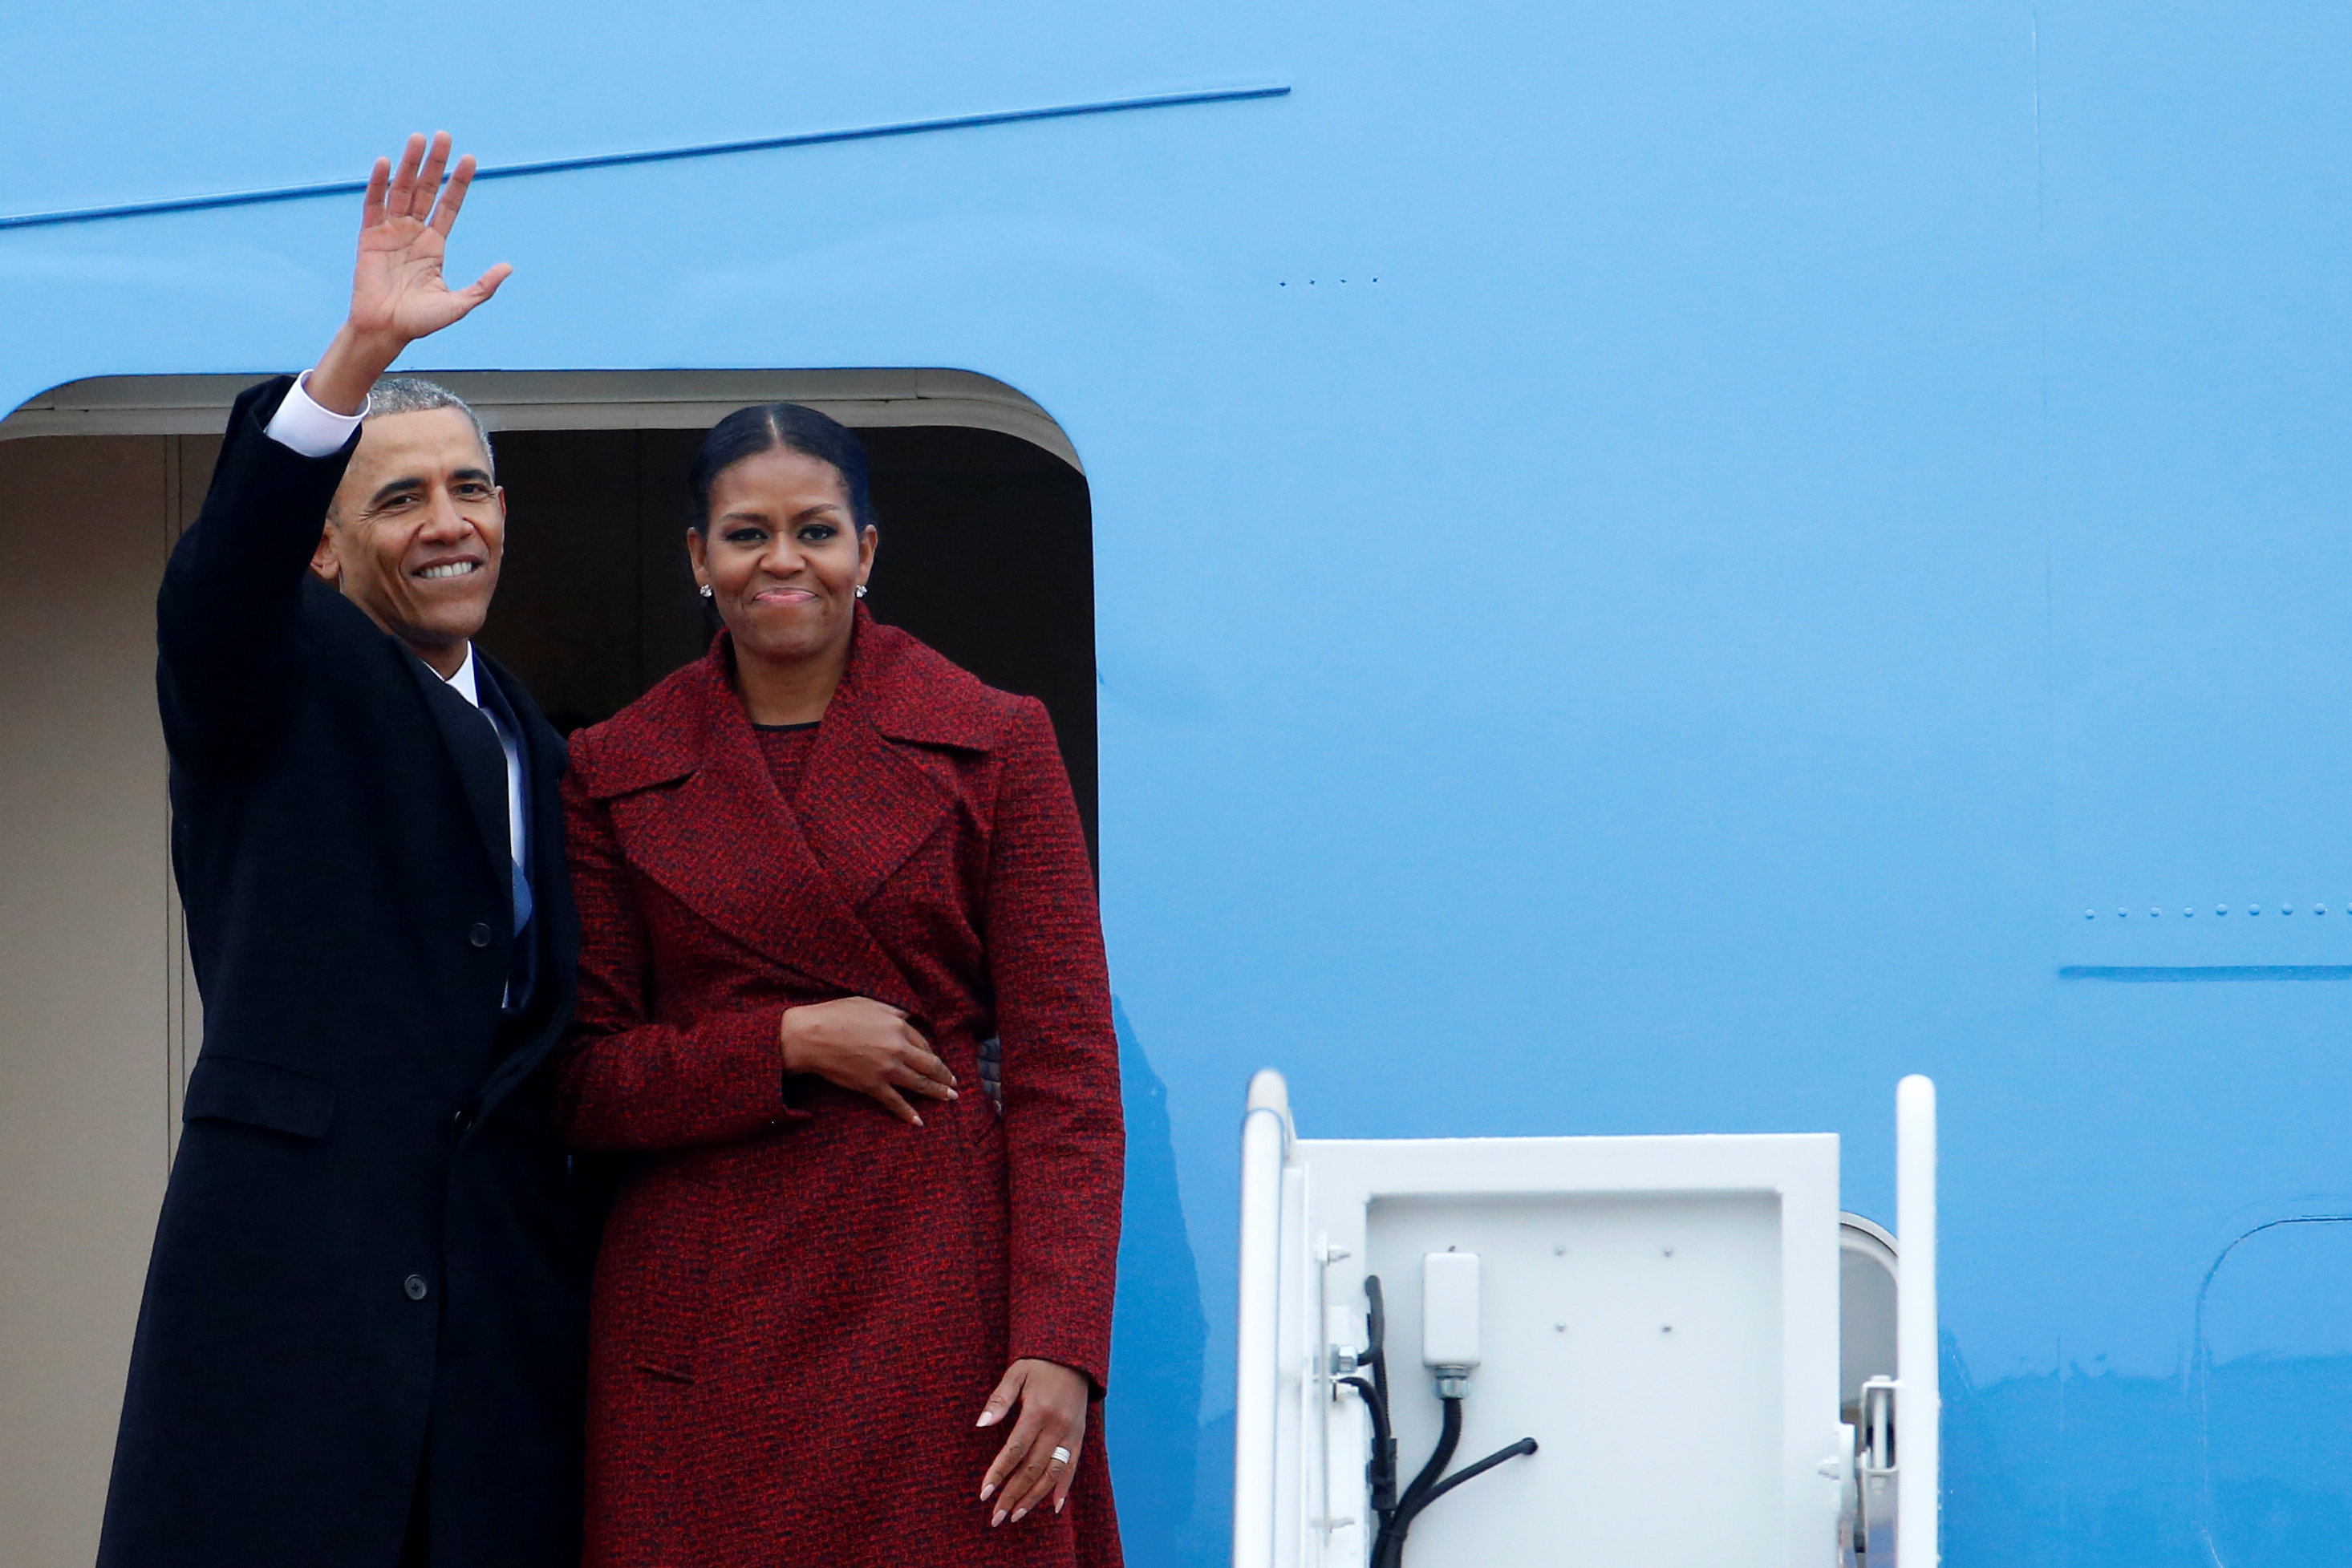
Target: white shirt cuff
{"type": "Point", "coordinates": [304, 427]}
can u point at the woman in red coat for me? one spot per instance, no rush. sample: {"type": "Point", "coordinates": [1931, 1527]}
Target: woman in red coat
{"type": "Point", "coordinates": [854, 1302]}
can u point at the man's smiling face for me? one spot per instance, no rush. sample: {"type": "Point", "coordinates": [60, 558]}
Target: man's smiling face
{"type": "Point", "coordinates": [416, 533]}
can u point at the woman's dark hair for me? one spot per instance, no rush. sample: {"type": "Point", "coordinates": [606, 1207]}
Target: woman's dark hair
{"type": "Point", "coordinates": [747, 431]}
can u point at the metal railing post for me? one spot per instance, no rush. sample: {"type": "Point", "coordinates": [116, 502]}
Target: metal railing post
{"type": "Point", "coordinates": [1266, 1138]}
{"type": "Point", "coordinates": [1918, 1417]}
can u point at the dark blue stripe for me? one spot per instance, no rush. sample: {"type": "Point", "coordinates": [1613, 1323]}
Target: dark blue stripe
{"type": "Point", "coordinates": [2162, 972]}
{"type": "Point", "coordinates": [657, 155]}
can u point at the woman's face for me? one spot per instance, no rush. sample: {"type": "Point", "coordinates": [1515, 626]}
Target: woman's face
{"type": "Point", "coordinates": [781, 556]}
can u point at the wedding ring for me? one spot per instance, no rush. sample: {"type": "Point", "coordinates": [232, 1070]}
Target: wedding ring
{"type": "Point", "coordinates": [1061, 1456]}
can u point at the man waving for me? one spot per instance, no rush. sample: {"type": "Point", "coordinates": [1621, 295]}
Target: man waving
{"type": "Point", "coordinates": [360, 1342]}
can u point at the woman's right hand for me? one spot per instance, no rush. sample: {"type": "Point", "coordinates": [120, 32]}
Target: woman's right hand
{"type": "Point", "coordinates": [868, 1046]}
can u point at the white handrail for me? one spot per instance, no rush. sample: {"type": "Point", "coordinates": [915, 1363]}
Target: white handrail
{"type": "Point", "coordinates": [1265, 1137]}
{"type": "Point", "coordinates": [1918, 1412]}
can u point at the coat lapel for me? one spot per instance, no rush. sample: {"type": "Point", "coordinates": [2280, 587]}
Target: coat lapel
{"type": "Point", "coordinates": [788, 884]}
{"type": "Point", "coordinates": [867, 803]}
{"type": "Point", "coordinates": [480, 762]}
{"type": "Point", "coordinates": [724, 844]}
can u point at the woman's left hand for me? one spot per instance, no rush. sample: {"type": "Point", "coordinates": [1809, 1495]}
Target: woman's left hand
{"type": "Point", "coordinates": [1053, 1400]}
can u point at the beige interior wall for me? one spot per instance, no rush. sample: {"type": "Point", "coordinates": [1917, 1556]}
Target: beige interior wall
{"type": "Point", "coordinates": [95, 1011]}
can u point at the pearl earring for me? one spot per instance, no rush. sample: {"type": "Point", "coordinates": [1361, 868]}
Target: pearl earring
{"type": "Point", "coordinates": [861, 590]}
{"type": "Point", "coordinates": [705, 590]}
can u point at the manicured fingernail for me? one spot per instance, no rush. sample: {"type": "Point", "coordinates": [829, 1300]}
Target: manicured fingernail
{"type": "Point", "coordinates": [1058, 1502]}
{"type": "Point", "coordinates": [997, 1520]}
{"type": "Point", "coordinates": [988, 1492]}
{"type": "Point", "coordinates": [953, 1095]}
{"type": "Point", "coordinates": [1020, 1514]}
{"type": "Point", "coordinates": [987, 1418]}
{"type": "Point", "coordinates": [919, 1120]}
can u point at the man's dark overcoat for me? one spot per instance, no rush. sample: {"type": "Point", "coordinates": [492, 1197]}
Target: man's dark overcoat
{"type": "Point", "coordinates": [371, 1256]}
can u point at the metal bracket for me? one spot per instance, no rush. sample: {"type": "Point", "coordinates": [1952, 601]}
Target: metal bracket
{"type": "Point", "coordinates": [1876, 1471]}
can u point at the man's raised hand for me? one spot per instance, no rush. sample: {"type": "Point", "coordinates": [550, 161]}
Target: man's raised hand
{"type": "Point", "coordinates": [398, 289]}
{"type": "Point", "coordinates": [398, 294]}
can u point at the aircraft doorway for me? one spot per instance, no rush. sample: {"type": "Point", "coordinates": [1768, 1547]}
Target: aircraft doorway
{"type": "Point", "coordinates": [986, 555]}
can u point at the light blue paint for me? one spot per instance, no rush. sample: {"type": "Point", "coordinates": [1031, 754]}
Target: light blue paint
{"type": "Point", "coordinates": [1814, 500]}
{"type": "Point", "coordinates": [2238, 1458]}
{"type": "Point", "coordinates": [1151, 1415]}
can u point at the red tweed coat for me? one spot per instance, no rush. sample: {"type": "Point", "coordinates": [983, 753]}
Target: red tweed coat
{"type": "Point", "coordinates": [802, 1302]}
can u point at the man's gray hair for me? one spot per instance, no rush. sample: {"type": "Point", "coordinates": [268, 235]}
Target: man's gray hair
{"type": "Point", "coordinates": [414, 394]}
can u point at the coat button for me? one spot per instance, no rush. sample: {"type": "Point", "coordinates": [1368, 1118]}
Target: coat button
{"type": "Point", "coordinates": [464, 1120]}
{"type": "Point", "coordinates": [415, 1287]}
{"type": "Point", "coordinates": [479, 936]}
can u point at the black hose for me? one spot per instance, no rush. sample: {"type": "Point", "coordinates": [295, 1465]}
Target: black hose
{"type": "Point", "coordinates": [1382, 1441]}
{"type": "Point", "coordinates": [1397, 1515]}
{"type": "Point", "coordinates": [1381, 1472]}
{"type": "Point", "coordinates": [1405, 1516]}
{"type": "Point", "coordinates": [1449, 1437]}
{"type": "Point", "coordinates": [1388, 1550]}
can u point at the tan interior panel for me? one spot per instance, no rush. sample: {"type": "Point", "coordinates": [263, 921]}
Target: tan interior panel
{"type": "Point", "coordinates": [88, 968]}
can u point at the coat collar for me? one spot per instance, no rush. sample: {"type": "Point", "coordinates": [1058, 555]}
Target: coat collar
{"type": "Point", "coordinates": [869, 797]}
{"type": "Point", "coordinates": [896, 686]}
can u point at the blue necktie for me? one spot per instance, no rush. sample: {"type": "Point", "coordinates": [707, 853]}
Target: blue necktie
{"type": "Point", "coordinates": [521, 884]}
{"type": "Point", "coordinates": [521, 897]}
